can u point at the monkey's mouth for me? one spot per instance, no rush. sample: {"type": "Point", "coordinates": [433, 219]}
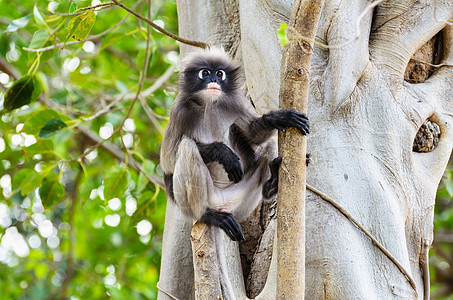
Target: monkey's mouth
{"type": "Point", "coordinates": [213, 89]}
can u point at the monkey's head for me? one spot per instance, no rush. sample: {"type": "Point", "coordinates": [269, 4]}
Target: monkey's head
{"type": "Point", "coordinates": [209, 73]}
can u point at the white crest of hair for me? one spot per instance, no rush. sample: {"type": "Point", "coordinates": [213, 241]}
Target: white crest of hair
{"type": "Point", "coordinates": [210, 53]}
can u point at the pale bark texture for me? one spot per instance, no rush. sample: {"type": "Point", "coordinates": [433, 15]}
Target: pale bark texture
{"type": "Point", "coordinates": [364, 117]}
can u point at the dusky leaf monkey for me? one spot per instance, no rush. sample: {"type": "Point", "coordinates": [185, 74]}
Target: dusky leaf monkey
{"type": "Point", "coordinates": [217, 154]}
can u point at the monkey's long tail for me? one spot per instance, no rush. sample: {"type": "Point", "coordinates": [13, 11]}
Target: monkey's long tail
{"type": "Point", "coordinates": [225, 282]}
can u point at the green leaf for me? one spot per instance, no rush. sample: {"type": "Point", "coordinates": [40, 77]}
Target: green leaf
{"type": "Point", "coordinates": [116, 183]}
{"type": "Point", "coordinates": [42, 39]}
{"type": "Point", "coordinates": [22, 92]}
{"type": "Point", "coordinates": [51, 191]}
{"type": "Point", "coordinates": [51, 127]}
{"type": "Point", "coordinates": [148, 167]}
{"type": "Point", "coordinates": [281, 34]}
{"type": "Point", "coordinates": [80, 26]}
{"type": "Point", "coordinates": [38, 18]}
{"type": "Point", "coordinates": [29, 181]}
{"type": "Point", "coordinates": [73, 7]}
{"type": "Point", "coordinates": [38, 119]}
{"type": "Point", "coordinates": [19, 178]}
{"type": "Point", "coordinates": [86, 185]}
{"type": "Point", "coordinates": [40, 147]}
{"type": "Point", "coordinates": [39, 39]}
{"type": "Point", "coordinates": [18, 23]}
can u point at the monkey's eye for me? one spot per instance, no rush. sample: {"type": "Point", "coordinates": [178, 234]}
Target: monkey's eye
{"type": "Point", "coordinates": [221, 74]}
{"type": "Point", "coordinates": [203, 73]}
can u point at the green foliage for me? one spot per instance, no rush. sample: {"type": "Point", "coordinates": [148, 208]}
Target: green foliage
{"type": "Point", "coordinates": [71, 136]}
{"type": "Point", "coordinates": [22, 92]}
{"type": "Point", "coordinates": [441, 265]}
{"type": "Point", "coordinates": [80, 26]}
{"type": "Point", "coordinates": [281, 34]}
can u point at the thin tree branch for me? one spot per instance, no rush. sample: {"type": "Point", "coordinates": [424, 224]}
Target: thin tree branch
{"type": "Point", "coordinates": [83, 9]}
{"type": "Point", "coordinates": [369, 235]}
{"type": "Point", "coordinates": [117, 153]}
{"type": "Point", "coordinates": [160, 29]}
{"type": "Point", "coordinates": [431, 65]}
{"type": "Point", "coordinates": [108, 107]}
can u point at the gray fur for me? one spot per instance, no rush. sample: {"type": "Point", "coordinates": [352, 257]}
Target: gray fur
{"type": "Point", "coordinates": [206, 119]}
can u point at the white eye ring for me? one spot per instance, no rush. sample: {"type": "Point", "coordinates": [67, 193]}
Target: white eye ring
{"type": "Point", "coordinates": [203, 73]}
{"type": "Point", "coordinates": [221, 74]}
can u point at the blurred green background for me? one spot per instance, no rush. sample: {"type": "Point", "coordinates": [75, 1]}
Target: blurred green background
{"type": "Point", "coordinates": [75, 222]}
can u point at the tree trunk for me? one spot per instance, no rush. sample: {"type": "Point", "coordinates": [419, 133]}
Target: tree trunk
{"type": "Point", "coordinates": [364, 115]}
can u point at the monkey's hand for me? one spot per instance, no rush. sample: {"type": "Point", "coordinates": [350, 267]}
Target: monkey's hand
{"type": "Point", "coordinates": [222, 154]}
{"type": "Point", "coordinates": [282, 119]}
{"type": "Point", "coordinates": [225, 221]}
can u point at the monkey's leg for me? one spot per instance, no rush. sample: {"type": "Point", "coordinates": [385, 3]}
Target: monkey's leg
{"type": "Point", "coordinates": [242, 198]}
{"type": "Point", "coordinates": [193, 190]}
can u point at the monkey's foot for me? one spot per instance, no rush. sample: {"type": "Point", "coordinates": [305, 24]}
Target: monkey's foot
{"type": "Point", "coordinates": [270, 187]}
{"type": "Point", "coordinates": [225, 221]}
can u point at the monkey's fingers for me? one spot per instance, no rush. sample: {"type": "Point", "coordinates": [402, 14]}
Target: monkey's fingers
{"type": "Point", "coordinates": [282, 119]}
{"type": "Point", "coordinates": [299, 121]}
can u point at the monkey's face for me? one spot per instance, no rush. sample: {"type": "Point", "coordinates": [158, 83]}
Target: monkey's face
{"type": "Point", "coordinates": [212, 81]}
{"type": "Point", "coordinates": [209, 79]}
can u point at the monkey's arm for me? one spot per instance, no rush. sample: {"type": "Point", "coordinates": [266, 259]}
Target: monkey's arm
{"type": "Point", "coordinates": [222, 154]}
{"type": "Point", "coordinates": [260, 129]}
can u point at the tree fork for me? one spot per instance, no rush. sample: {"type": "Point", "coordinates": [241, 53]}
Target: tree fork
{"type": "Point", "coordinates": [294, 88]}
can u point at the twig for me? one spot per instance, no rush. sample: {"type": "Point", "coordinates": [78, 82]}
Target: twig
{"type": "Point", "coordinates": [108, 107]}
{"type": "Point", "coordinates": [160, 81]}
{"type": "Point", "coordinates": [338, 46]}
{"type": "Point", "coordinates": [83, 9]}
{"type": "Point", "coordinates": [146, 93]}
{"type": "Point", "coordinates": [90, 38]}
{"type": "Point", "coordinates": [157, 84]}
{"type": "Point", "coordinates": [102, 5]}
{"type": "Point", "coordinates": [431, 65]}
{"type": "Point", "coordinates": [117, 153]}
{"type": "Point", "coordinates": [160, 29]}
{"type": "Point", "coordinates": [369, 235]}
{"type": "Point", "coordinates": [165, 291]}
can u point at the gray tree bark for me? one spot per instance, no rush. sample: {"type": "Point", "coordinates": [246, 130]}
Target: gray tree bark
{"type": "Point", "coordinates": [364, 118]}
